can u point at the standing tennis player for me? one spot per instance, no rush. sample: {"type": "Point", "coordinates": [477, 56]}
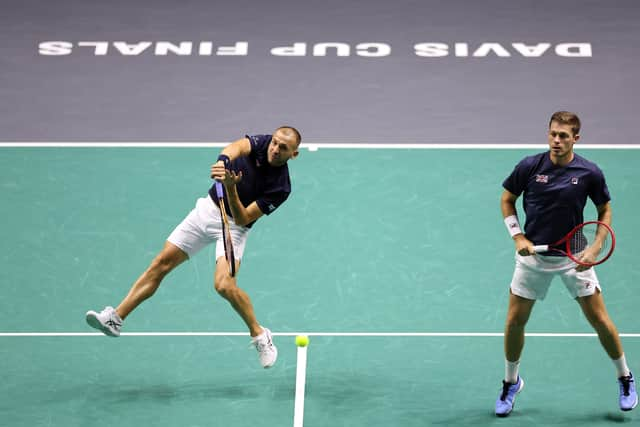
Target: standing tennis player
{"type": "Point", "coordinates": [555, 185]}
{"type": "Point", "coordinates": [256, 181]}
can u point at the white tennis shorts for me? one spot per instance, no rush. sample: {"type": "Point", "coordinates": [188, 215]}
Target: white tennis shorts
{"type": "Point", "coordinates": [203, 226]}
{"type": "Point", "coordinates": [532, 283]}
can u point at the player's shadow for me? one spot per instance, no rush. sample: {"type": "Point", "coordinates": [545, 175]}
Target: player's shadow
{"type": "Point", "coordinates": [118, 394]}
{"type": "Point", "coordinates": [532, 417]}
{"type": "Point", "coordinates": [616, 418]}
{"type": "Point", "coordinates": [178, 392]}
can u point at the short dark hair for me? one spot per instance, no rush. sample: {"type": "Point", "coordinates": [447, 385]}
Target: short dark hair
{"type": "Point", "coordinates": [567, 118]}
{"type": "Point", "coordinates": [295, 132]}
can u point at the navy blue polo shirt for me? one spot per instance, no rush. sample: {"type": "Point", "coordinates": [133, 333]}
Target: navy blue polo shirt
{"type": "Point", "coordinates": [555, 196]}
{"type": "Point", "coordinates": [262, 183]}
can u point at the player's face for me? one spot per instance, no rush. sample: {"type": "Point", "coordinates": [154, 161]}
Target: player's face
{"type": "Point", "coordinates": [561, 140]}
{"type": "Point", "coordinates": [282, 148]}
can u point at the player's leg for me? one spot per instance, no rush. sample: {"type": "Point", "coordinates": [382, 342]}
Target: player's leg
{"type": "Point", "coordinates": [585, 288]}
{"type": "Point", "coordinates": [228, 288]}
{"type": "Point", "coordinates": [224, 284]}
{"type": "Point", "coordinates": [110, 320]}
{"type": "Point", "coordinates": [596, 313]}
{"type": "Point", "coordinates": [169, 258]}
{"type": "Point", "coordinates": [527, 285]}
{"type": "Point", "coordinates": [185, 241]}
{"type": "Point", "coordinates": [517, 317]}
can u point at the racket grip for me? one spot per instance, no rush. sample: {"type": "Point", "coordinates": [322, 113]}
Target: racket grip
{"type": "Point", "coordinates": [541, 248]}
{"type": "Point", "coordinates": [219, 190]}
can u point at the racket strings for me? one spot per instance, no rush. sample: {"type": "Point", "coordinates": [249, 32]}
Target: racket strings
{"type": "Point", "coordinates": [586, 237]}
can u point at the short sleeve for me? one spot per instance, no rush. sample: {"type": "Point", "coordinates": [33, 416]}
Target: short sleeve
{"type": "Point", "coordinates": [599, 192]}
{"type": "Point", "coordinates": [258, 142]}
{"type": "Point", "coordinates": [517, 181]}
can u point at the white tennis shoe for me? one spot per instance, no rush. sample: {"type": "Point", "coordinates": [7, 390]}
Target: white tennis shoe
{"type": "Point", "coordinates": [267, 352]}
{"type": "Point", "coordinates": [107, 321]}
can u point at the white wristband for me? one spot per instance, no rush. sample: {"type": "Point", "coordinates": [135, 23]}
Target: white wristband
{"type": "Point", "coordinates": [513, 226]}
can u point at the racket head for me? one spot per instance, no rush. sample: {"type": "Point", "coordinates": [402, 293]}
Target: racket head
{"type": "Point", "coordinates": [593, 239]}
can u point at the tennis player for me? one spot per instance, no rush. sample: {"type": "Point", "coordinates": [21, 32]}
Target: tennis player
{"type": "Point", "coordinates": [556, 185]}
{"type": "Point", "coordinates": [255, 175]}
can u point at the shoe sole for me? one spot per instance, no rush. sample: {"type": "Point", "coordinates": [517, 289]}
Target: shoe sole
{"type": "Point", "coordinates": [514, 401]}
{"type": "Point", "coordinates": [92, 320]}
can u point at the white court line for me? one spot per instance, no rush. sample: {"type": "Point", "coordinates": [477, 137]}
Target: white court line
{"type": "Point", "coordinates": [318, 334]}
{"type": "Point", "coordinates": [309, 145]}
{"type": "Point", "coordinates": [301, 379]}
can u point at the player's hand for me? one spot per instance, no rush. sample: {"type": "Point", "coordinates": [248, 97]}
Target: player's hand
{"type": "Point", "coordinates": [218, 171]}
{"type": "Point", "coordinates": [231, 178]}
{"type": "Point", "coordinates": [226, 176]}
{"type": "Point", "coordinates": [588, 256]}
{"type": "Point", "coordinates": [524, 246]}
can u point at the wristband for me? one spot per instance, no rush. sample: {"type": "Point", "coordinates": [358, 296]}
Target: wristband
{"type": "Point", "coordinates": [226, 160]}
{"type": "Point", "coordinates": [513, 226]}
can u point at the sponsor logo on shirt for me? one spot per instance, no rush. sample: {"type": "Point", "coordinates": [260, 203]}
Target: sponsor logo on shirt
{"type": "Point", "coordinates": [574, 180]}
{"type": "Point", "coordinates": [542, 178]}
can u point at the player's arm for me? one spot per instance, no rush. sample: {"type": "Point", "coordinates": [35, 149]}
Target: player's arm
{"type": "Point", "coordinates": [508, 207]}
{"type": "Point", "coordinates": [238, 148]}
{"type": "Point", "coordinates": [241, 215]}
{"type": "Point", "coordinates": [604, 215]}
{"type": "Point", "coordinates": [591, 252]}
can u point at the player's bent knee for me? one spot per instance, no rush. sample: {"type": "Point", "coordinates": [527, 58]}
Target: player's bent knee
{"type": "Point", "coordinates": [225, 291]}
{"type": "Point", "coordinates": [224, 285]}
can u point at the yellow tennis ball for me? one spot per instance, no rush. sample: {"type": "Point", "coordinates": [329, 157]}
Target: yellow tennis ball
{"type": "Point", "coordinates": [302, 340]}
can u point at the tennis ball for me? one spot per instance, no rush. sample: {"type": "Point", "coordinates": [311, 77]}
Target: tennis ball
{"type": "Point", "coordinates": [302, 340]}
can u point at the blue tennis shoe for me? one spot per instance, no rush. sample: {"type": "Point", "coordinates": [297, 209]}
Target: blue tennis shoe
{"type": "Point", "coordinates": [628, 394]}
{"type": "Point", "coordinates": [507, 398]}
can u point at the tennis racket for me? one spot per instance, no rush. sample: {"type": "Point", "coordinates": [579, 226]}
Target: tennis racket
{"type": "Point", "coordinates": [588, 244]}
{"type": "Point", "coordinates": [226, 233]}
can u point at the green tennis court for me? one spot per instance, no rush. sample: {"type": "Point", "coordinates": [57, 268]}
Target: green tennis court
{"type": "Point", "coordinates": [385, 242]}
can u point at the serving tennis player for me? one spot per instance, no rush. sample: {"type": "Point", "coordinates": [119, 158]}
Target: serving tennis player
{"type": "Point", "coordinates": [256, 181]}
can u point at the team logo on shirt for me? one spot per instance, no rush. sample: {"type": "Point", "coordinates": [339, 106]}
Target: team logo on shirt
{"type": "Point", "coordinates": [574, 180]}
{"type": "Point", "coordinates": [542, 178]}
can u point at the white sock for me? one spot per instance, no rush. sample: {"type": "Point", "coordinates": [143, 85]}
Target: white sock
{"type": "Point", "coordinates": [260, 335]}
{"type": "Point", "coordinates": [511, 371]}
{"type": "Point", "coordinates": [621, 366]}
